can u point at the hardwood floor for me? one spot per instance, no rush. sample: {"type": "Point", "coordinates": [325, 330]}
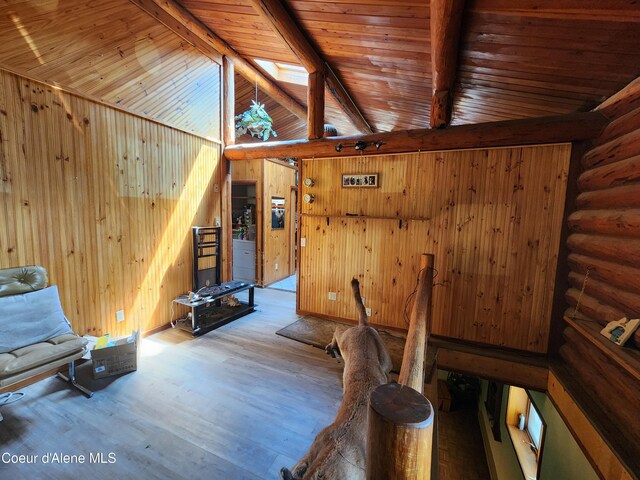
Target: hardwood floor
{"type": "Point", "coordinates": [237, 403]}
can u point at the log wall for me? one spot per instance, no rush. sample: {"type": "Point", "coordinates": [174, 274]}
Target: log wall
{"type": "Point", "coordinates": [112, 51]}
{"type": "Point", "coordinates": [104, 200]}
{"type": "Point", "coordinates": [492, 217]}
{"type": "Point", "coordinates": [604, 242]}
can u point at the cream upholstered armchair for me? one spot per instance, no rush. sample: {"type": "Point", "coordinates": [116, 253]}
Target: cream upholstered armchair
{"type": "Point", "coordinates": [35, 336]}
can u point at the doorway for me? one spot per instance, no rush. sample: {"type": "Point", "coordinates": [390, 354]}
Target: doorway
{"type": "Point", "coordinates": [244, 220]}
{"type": "Point", "coordinates": [290, 283]}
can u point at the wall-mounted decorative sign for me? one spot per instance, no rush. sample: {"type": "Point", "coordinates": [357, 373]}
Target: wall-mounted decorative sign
{"type": "Point", "coordinates": [360, 180]}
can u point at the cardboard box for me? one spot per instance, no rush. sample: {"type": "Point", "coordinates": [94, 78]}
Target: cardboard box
{"type": "Point", "coordinates": [119, 358]}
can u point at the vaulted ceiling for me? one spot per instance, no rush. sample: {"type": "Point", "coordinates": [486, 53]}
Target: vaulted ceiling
{"type": "Point", "coordinates": [515, 59]}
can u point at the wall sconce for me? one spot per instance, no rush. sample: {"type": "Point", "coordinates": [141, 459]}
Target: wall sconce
{"type": "Point", "coordinates": [308, 182]}
{"type": "Point", "coordinates": [360, 145]}
{"type": "Point", "coordinates": [308, 198]}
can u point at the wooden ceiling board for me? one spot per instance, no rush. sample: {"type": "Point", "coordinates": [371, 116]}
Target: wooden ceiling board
{"type": "Point", "coordinates": [527, 58]}
{"type": "Point", "coordinates": [373, 45]}
{"type": "Point", "coordinates": [112, 51]}
{"type": "Point", "coordinates": [242, 27]}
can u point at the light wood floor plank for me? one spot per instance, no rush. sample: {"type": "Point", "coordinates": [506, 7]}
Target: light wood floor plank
{"type": "Point", "coordinates": [237, 403]}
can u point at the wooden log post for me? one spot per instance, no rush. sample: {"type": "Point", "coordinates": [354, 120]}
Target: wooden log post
{"type": "Point", "coordinates": [415, 348]}
{"type": "Point", "coordinates": [400, 434]}
{"type": "Point", "coordinates": [401, 419]}
{"type": "Point", "coordinates": [229, 136]}
{"type": "Point", "coordinates": [315, 105]}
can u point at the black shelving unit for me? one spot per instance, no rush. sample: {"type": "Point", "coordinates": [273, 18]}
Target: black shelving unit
{"type": "Point", "coordinates": [208, 312]}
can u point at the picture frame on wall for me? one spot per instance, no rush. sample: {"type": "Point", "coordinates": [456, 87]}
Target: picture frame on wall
{"type": "Point", "coordinates": [360, 180]}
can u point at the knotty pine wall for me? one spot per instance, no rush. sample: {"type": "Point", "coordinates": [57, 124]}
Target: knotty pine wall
{"type": "Point", "coordinates": [104, 200]}
{"type": "Point", "coordinates": [605, 241]}
{"type": "Point", "coordinates": [492, 218]}
{"type": "Point", "coordinates": [113, 52]}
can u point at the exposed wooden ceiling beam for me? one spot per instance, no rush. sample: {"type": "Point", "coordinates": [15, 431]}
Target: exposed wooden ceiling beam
{"type": "Point", "coordinates": [557, 129]}
{"type": "Point", "coordinates": [184, 24]}
{"type": "Point", "coordinates": [283, 25]}
{"type": "Point", "coordinates": [446, 20]}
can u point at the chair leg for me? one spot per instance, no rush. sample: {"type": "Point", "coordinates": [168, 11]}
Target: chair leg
{"type": "Point", "coordinates": [71, 379]}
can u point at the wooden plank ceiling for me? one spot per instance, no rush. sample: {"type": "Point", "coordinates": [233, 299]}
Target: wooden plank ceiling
{"type": "Point", "coordinates": [112, 51]}
{"type": "Point", "coordinates": [516, 59]}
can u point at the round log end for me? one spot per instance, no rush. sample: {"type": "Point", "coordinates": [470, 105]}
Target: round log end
{"type": "Point", "coordinates": [401, 405]}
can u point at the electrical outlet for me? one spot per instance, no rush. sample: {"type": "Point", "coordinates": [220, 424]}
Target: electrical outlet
{"type": "Point", "coordinates": [332, 295]}
{"type": "Point", "coordinates": [216, 222]}
{"type": "Point", "coordinates": [120, 316]}
{"type": "Point", "coordinates": [303, 241]}
{"type": "Point", "coordinates": [216, 188]}
{"type": "Point", "coordinates": [368, 310]}
{"type": "Point", "coordinates": [364, 300]}
{"type": "Point", "coordinates": [276, 266]}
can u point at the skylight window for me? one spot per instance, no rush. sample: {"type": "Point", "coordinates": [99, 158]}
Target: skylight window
{"type": "Point", "coordinates": [284, 72]}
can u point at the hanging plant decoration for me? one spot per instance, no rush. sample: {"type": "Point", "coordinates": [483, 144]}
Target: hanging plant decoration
{"type": "Point", "coordinates": [255, 121]}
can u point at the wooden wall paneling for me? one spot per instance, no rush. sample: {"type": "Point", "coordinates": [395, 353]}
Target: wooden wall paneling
{"type": "Point", "coordinates": [105, 201]}
{"type": "Point", "coordinates": [113, 52]}
{"type": "Point", "coordinates": [278, 180]}
{"type": "Point", "coordinates": [604, 380]}
{"type": "Point", "coordinates": [491, 217]}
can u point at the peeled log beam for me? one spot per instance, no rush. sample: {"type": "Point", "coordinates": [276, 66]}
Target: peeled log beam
{"type": "Point", "coordinates": [400, 434]}
{"type": "Point", "coordinates": [609, 222]}
{"type": "Point", "coordinates": [613, 273]}
{"type": "Point", "coordinates": [415, 348]}
{"type": "Point", "coordinates": [615, 174]}
{"type": "Point", "coordinates": [346, 103]}
{"type": "Point", "coordinates": [563, 128]}
{"type": "Point", "coordinates": [626, 196]}
{"type": "Point", "coordinates": [623, 102]}
{"type": "Point", "coordinates": [620, 126]}
{"type": "Point", "coordinates": [614, 296]}
{"type": "Point", "coordinates": [184, 24]}
{"type": "Point", "coordinates": [284, 25]}
{"type": "Point", "coordinates": [445, 22]}
{"type": "Point", "coordinates": [616, 249]}
{"type": "Point", "coordinates": [315, 102]}
{"type": "Point", "coordinates": [618, 149]}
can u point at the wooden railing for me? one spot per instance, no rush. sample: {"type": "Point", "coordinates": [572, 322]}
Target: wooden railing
{"type": "Point", "coordinates": [401, 418]}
